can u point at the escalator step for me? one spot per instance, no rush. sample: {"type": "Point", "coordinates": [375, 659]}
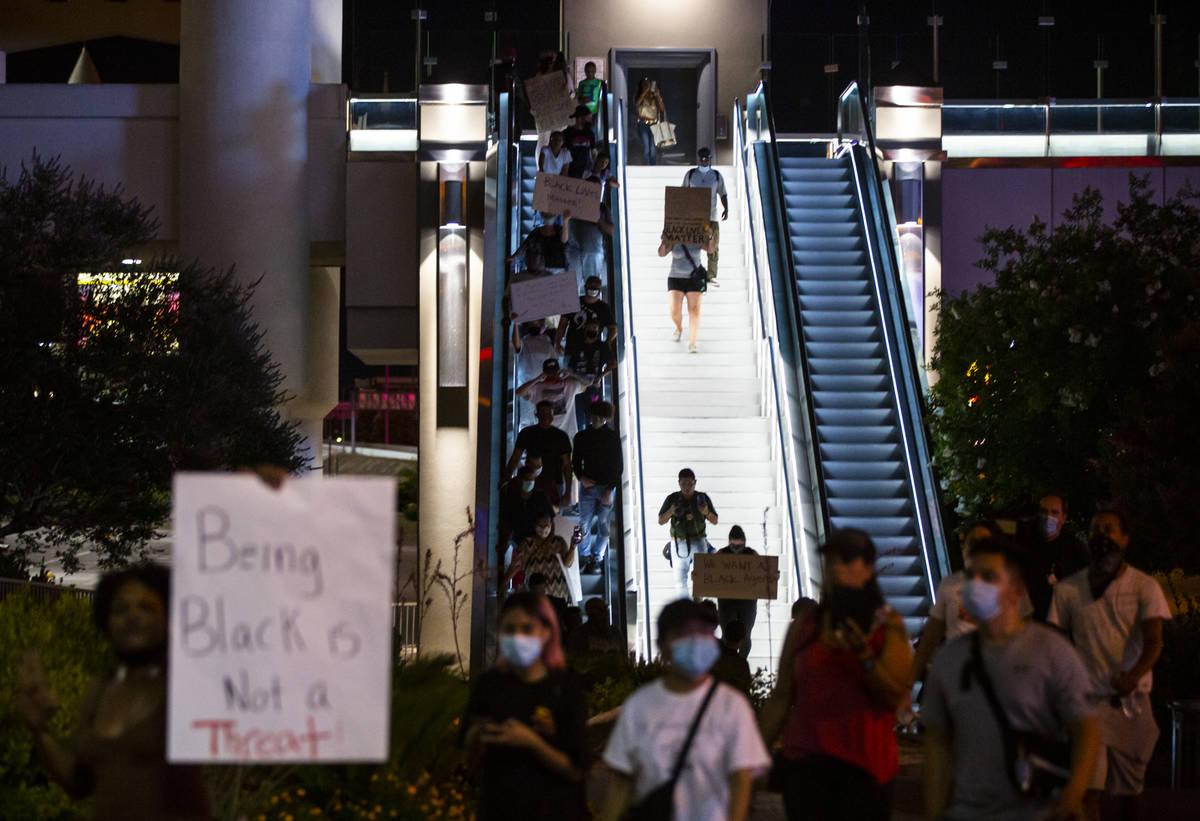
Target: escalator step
{"type": "Point", "coordinates": [870, 507]}
{"type": "Point", "coordinates": [845, 365]}
{"type": "Point", "coordinates": [857, 434]}
{"type": "Point", "coordinates": [865, 488]}
{"type": "Point", "coordinates": [855, 416]}
{"type": "Point", "coordinates": [864, 334]}
{"type": "Point", "coordinates": [860, 319]}
{"type": "Point", "coordinates": [876, 526]}
{"type": "Point", "coordinates": [854, 468]}
{"type": "Point", "coordinates": [830, 382]}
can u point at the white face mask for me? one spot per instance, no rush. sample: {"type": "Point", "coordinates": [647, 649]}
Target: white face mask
{"type": "Point", "coordinates": [981, 600]}
{"type": "Point", "coordinates": [1050, 527]}
{"type": "Point", "coordinates": [592, 292]}
{"type": "Point", "coordinates": [520, 651]}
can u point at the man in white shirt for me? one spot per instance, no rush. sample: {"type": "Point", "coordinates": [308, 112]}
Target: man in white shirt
{"type": "Point", "coordinates": [1114, 614]}
{"type": "Point", "coordinates": [705, 176]}
{"type": "Point", "coordinates": [725, 755]}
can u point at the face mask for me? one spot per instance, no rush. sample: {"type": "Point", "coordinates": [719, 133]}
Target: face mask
{"type": "Point", "coordinates": [592, 292]}
{"type": "Point", "coordinates": [527, 486]}
{"type": "Point", "coordinates": [537, 471]}
{"type": "Point", "coordinates": [520, 651]}
{"type": "Point", "coordinates": [981, 599]}
{"type": "Point", "coordinates": [737, 548]}
{"type": "Point", "coordinates": [694, 655]}
{"type": "Point", "coordinates": [1049, 527]}
{"type": "Point", "coordinates": [855, 603]}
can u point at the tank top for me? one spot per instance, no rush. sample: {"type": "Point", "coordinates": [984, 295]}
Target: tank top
{"type": "Point", "coordinates": [832, 712]}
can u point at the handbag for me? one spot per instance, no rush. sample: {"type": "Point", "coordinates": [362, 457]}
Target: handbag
{"type": "Point", "coordinates": [1037, 765]}
{"type": "Point", "coordinates": [664, 133]}
{"type": "Point", "coordinates": [698, 271]}
{"type": "Point", "coordinates": [659, 803]}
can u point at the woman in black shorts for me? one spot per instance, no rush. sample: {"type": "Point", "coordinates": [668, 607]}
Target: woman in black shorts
{"type": "Point", "coordinates": [681, 283]}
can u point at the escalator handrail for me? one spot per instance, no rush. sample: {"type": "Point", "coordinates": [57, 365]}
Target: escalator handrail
{"type": "Point", "coordinates": [921, 473]}
{"type": "Point", "coordinates": [628, 356]}
{"type": "Point", "coordinates": [801, 355]}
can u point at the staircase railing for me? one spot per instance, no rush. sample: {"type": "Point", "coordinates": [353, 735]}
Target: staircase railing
{"type": "Point", "coordinates": [633, 500]}
{"type": "Point", "coordinates": [902, 359]}
{"type": "Point", "coordinates": [799, 537]}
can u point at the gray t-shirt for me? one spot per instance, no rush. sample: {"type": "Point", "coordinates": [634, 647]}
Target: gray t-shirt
{"type": "Point", "coordinates": [1041, 683]}
{"type": "Point", "coordinates": [681, 266]}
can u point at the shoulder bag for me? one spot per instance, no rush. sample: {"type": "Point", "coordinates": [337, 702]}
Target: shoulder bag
{"type": "Point", "coordinates": [1037, 765]}
{"type": "Point", "coordinates": [698, 271]}
{"type": "Point", "coordinates": [659, 803]}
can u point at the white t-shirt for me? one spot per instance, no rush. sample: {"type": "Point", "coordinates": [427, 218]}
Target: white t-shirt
{"type": "Point", "coordinates": [650, 732]}
{"type": "Point", "coordinates": [701, 177]}
{"type": "Point", "coordinates": [562, 394]}
{"type": "Point", "coordinates": [1108, 632]}
{"type": "Point", "coordinates": [552, 164]}
{"type": "Point", "coordinates": [950, 611]}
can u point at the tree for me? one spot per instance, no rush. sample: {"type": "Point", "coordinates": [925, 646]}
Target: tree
{"type": "Point", "coordinates": [113, 376]}
{"type": "Point", "coordinates": [1071, 371]}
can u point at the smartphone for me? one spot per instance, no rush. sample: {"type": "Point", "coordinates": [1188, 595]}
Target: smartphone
{"type": "Point", "coordinates": [654, 85]}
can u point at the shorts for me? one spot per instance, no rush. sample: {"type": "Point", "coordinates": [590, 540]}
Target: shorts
{"type": "Point", "coordinates": [689, 285]}
{"type": "Point", "coordinates": [1123, 771]}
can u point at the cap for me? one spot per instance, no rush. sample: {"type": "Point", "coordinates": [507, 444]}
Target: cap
{"type": "Point", "coordinates": [582, 111]}
{"type": "Point", "coordinates": [704, 152]}
{"type": "Point", "coordinates": [550, 365]}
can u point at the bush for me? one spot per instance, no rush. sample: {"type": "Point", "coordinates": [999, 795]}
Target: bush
{"type": "Point", "coordinates": [73, 652]}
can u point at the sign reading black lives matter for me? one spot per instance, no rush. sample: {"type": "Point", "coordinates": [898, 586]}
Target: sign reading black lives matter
{"type": "Point", "coordinates": [558, 193]}
{"type": "Point", "coordinates": [735, 576]}
{"type": "Point", "coordinates": [686, 212]}
{"type": "Point", "coordinates": [550, 101]}
{"type": "Point", "coordinates": [281, 624]}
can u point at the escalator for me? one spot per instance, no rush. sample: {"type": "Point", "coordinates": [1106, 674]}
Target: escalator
{"type": "Point", "coordinates": [854, 357]}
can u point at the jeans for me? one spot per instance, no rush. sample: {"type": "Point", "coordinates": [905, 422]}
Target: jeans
{"type": "Point", "coordinates": [743, 610]}
{"type": "Point", "coordinates": [712, 256]}
{"type": "Point", "coordinates": [583, 402]}
{"type": "Point", "coordinates": [593, 511]}
{"type": "Point", "coordinates": [649, 149]}
{"type": "Point", "coordinates": [682, 565]}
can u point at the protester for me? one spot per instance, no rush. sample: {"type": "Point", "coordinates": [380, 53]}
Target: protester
{"type": "Point", "coordinates": [521, 506]}
{"type": "Point", "coordinates": [598, 464]}
{"type": "Point", "coordinates": [732, 667]}
{"type": "Point", "coordinates": [590, 91]}
{"type": "Point", "coordinates": [542, 483]}
{"type": "Point", "coordinates": [525, 721]}
{"type": "Point", "coordinates": [596, 636]}
{"type": "Point", "coordinates": [743, 611]}
{"type": "Point", "coordinates": [554, 158]}
{"type": "Point", "coordinates": [1114, 614]}
{"type": "Point", "coordinates": [689, 513]}
{"type": "Point", "coordinates": [802, 606]}
{"type": "Point", "coordinates": [1038, 687]}
{"type": "Point", "coordinates": [685, 733]}
{"type": "Point", "coordinates": [551, 443]}
{"type": "Point", "coordinates": [705, 176]}
{"type": "Point", "coordinates": [580, 140]}
{"type": "Point", "coordinates": [544, 249]}
{"type": "Point", "coordinates": [650, 109]}
{"type": "Point", "coordinates": [1055, 553]}
{"type": "Point", "coordinates": [117, 758]}
{"type": "Point", "coordinates": [591, 307]}
{"type": "Point", "coordinates": [842, 674]}
{"type": "Point", "coordinates": [685, 279]}
{"type": "Point", "coordinates": [558, 387]}
{"type": "Point", "coordinates": [590, 360]}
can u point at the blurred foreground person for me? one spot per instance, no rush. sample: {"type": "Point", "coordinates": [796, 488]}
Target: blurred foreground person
{"type": "Point", "coordinates": [525, 721]}
{"type": "Point", "coordinates": [117, 756]}
{"type": "Point", "coordinates": [999, 695]}
{"type": "Point", "coordinates": [842, 674]}
{"type": "Point", "coordinates": [685, 745]}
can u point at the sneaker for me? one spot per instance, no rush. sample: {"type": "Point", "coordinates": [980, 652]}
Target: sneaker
{"type": "Point", "coordinates": [675, 334]}
{"type": "Point", "coordinates": [692, 348]}
{"type": "Point", "coordinates": [712, 283]}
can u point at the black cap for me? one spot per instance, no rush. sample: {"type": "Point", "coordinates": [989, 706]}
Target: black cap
{"type": "Point", "coordinates": [582, 111]}
{"type": "Point", "coordinates": [704, 152]}
{"type": "Point", "coordinates": [550, 365]}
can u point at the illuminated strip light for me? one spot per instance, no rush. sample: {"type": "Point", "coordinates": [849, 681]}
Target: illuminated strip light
{"type": "Point", "coordinates": [884, 326]}
{"type": "Point", "coordinates": [113, 279]}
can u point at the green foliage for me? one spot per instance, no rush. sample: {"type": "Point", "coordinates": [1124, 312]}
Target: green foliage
{"type": "Point", "coordinates": [610, 678]}
{"type": "Point", "coordinates": [107, 389]}
{"type": "Point", "coordinates": [73, 653]}
{"type": "Point", "coordinates": [421, 779]}
{"type": "Point", "coordinates": [407, 491]}
{"type": "Point", "coordinates": [1047, 377]}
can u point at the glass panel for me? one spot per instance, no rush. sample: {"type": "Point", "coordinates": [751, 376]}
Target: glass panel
{"type": "Point", "coordinates": [981, 119]}
{"type": "Point", "coordinates": [383, 113]}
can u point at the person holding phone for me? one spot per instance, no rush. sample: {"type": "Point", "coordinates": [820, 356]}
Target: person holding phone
{"type": "Point", "coordinates": [842, 674]}
{"type": "Point", "coordinates": [650, 109]}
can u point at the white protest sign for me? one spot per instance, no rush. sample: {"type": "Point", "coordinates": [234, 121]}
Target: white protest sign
{"type": "Point", "coordinates": [280, 624]}
{"type": "Point", "coordinates": [735, 576]}
{"type": "Point", "coordinates": [686, 214]}
{"type": "Point", "coordinates": [543, 296]}
{"type": "Point", "coordinates": [551, 103]}
{"type": "Point", "coordinates": [558, 193]}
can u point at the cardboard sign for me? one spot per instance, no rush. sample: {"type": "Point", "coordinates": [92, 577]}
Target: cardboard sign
{"type": "Point", "coordinates": [558, 193]}
{"type": "Point", "coordinates": [537, 297]}
{"type": "Point", "coordinates": [686, 214]}
{"type": "Point", "coordinates": [280, 624]}
{"type": "Point", "coordinates": [551, 103]}
{"type": "Point", "coordinates": [729, 576]}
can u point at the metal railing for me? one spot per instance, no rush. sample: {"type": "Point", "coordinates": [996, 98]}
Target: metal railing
{"type": "Point", "coordinates": [633, 492]}
{"type": "Point", "coordinates": [406, 625]}
{"type": "Point", "coordinates": [43, 592]}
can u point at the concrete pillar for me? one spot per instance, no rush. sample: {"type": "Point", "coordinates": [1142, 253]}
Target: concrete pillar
{"type": "Point", "coordinates": [244, 71]}
{"type": "Point", "coordinates": [326, 41]}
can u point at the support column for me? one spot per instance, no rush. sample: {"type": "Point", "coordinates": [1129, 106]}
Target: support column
{"type": "Point", "coordinates": [244, 72]}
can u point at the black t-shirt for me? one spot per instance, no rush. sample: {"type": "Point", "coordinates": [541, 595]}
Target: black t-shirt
{"type": "Point", "coordinates": [588, 311]}
{"type": "Point", "coordinates": [1060, 558]}
{"type": "Point", "coordinates": [682, 527]}
{"type": "Point", "coordinates": [544, 251]}
{"type": "Point", "coordinates": [590, 358]}
{"type": "Point", "coordinates": [520, 513]}
{"type": "Point", "coordinates": [549, 443]}
{"type": "Point", "coordinates": [515, 784]}
{"type": "Point", "coordinates": [579, 141]}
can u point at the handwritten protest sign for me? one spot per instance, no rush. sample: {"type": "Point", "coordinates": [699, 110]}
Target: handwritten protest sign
{"type": "Point", "coordinates": [280, 638]}
{"type": "Point", "coordinates": [551, 103]}
{"type": "Point", "coordinates": [541, 296]}
{"type": "Point", "coordinates": [687, 213]}
{"type": "Point", "coordinates": [729, 576]}
{"type": "Point", "coordinates": [557, 193]}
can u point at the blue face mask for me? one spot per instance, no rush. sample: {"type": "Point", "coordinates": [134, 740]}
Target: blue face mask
{"type": "Point", "coordinates": [694, 655]}
{"type": "Point", "coordinates": [981, 600]}
{"type": "Point", "coordinates": [520, 651]}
